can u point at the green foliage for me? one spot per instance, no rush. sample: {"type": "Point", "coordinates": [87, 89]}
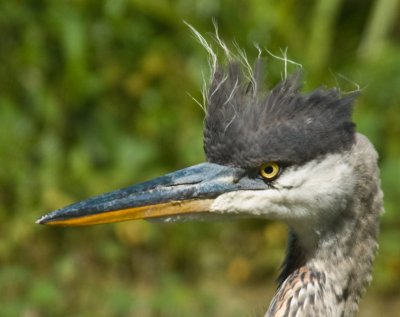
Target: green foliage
{"type": "Point", "coordinates": [94, 96]}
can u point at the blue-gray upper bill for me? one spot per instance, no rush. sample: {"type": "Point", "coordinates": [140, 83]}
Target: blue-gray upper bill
{"type": "Point", "coordinates": [183, 191]}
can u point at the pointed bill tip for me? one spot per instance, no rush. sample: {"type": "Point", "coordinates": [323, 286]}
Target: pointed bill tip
{"type": "Point", "coordinates": [39, 221]}
{"type": "Point", "coordinates": [43, 220]}
{"type": "Point", "coordinates": [54, 218]}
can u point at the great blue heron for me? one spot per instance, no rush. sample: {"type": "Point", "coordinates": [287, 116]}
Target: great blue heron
{"type": "Point", "coordinates": [282, 155]}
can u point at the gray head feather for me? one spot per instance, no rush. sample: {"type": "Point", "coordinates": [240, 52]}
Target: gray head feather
{"type": "Point", "coordinates": [246, 125]}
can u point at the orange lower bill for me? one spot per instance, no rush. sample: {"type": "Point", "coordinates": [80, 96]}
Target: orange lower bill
{"type": "Point", "coordinates": [143, 212]}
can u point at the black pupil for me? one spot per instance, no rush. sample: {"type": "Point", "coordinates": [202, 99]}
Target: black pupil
{"type": "Point", "coordinates": [268, 169]}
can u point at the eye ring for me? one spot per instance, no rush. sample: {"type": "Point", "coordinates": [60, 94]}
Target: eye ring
{"type": "Point", "coordinates": [270, 170]}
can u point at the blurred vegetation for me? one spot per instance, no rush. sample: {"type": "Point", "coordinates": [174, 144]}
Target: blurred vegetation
{"type": "Point", "coordinates": [94, 96]}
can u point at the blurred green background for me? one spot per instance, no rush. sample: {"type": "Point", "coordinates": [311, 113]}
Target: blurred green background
{"type": "Point", "coordinates": [94, 96]}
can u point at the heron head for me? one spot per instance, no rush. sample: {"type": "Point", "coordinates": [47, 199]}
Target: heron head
{"type": "Point", "coordinates": [277, 154]}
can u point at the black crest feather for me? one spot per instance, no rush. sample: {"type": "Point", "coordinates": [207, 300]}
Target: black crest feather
{"type": "Point", "coordinates": [245, 126]}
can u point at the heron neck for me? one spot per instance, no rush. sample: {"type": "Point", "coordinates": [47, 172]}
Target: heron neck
{"type": "Point", "coordinates": [327, 270]}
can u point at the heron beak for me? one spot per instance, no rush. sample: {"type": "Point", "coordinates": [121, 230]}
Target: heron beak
{"type": "Point", "coordinates": [181, 193]}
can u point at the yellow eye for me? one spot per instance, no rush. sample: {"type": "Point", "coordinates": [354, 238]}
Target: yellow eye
{"type": "Point", "coordinates": [270, 170]}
